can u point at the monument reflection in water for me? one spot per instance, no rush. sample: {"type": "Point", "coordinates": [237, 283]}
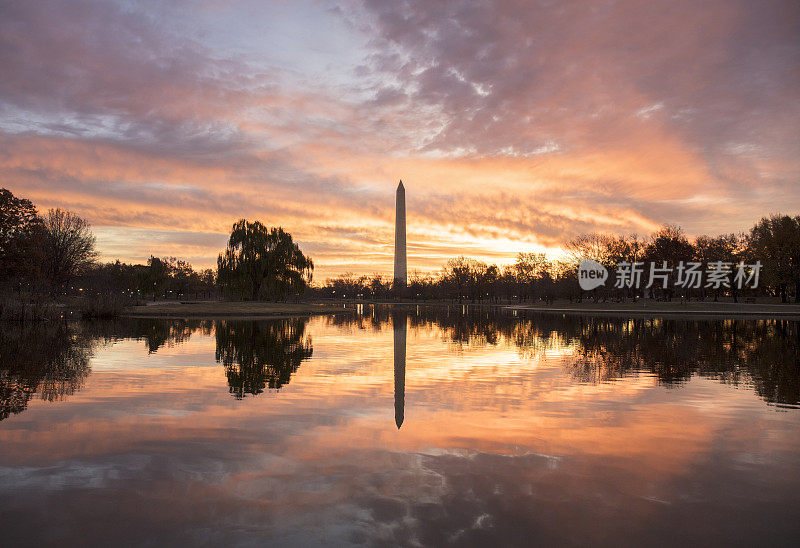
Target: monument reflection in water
{"type": "Point", "coordinates": [523, 429]}
{"type": "Point", "coordinates": [399, 328]}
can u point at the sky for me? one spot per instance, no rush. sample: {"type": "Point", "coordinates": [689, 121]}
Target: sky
{"type": "Point", "coordinates": [514, 125]}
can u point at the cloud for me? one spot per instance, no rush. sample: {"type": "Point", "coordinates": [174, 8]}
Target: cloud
{"type": "Point", "coordinates": [515, 125]}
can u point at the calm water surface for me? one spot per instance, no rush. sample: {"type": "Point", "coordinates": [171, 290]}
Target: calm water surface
{"type": "Point", "coordinates": [418, 426]}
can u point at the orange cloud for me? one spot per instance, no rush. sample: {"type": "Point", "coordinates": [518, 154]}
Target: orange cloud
{"type": "Point", "coordinates": [514, 129]}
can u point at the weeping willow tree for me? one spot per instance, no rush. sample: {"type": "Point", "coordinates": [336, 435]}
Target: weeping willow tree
{"type": "Point", "coordinates": [262, 263]}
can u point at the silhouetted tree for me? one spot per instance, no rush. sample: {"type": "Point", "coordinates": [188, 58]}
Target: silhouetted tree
{"type": "Point", "coordinates": [263, 263]}
{"type": "Point", "coordinates": [20, 237]}
{"type": "Point", "coordinates": [593, 246]}
{"type": "Point", "coordinates": [68, 246]}
{"type": "Point", "coordinates": [531, 275]}
{"type": "Point", "coordinates": [379, 287]}
{"type": "Point", "coordinates": [156, 278]}
{"type": "Point", "coordinates": [347, 285]}
{"type": "Point", "coordinates": [775, 241]}
{"type": "Point", "coordinates": [725, 248]}
{"type": "Point", "coordinates": [668, 246]}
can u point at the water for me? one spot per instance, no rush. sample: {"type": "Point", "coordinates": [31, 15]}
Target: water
{"type": "Point", "coordinates": [418, 426]}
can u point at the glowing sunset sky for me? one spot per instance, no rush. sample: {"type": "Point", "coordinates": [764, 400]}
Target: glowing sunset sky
{"type": "Point", "coordinates": [514, 125]}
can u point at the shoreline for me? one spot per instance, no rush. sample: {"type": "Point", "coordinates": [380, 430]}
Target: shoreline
{"type": "Point", "coordinates": [684, 312]}
{"type": "Point", "coordinates": [269, 310]}
{"type": "Point", "coordinates": [232, 310]}
{"type": "Point", "coordinates": [689, 309]}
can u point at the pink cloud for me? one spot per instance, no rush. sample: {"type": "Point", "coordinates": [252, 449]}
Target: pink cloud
{"type": "Point", "coordinates": [515, 125]}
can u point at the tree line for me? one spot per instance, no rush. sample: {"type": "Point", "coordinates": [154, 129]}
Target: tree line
{"type": "Point", "coordinates": [54, 254]}
{"type": "Point", "coordinates": [773, 242]}
{"type": "Point", "coordinates": [44, 249]}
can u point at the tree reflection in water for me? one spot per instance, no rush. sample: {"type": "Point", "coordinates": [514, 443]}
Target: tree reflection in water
{"type": "Point", "coordinates": [154, 332]}
{"type": "Point", "coordinates": [764, 354]}
{"type": "Point", "coordinates": [761, 353]}
{"type": "Point", "coordinates": [48, 359]}
{"type": "Point", "coordinates": [261, 354]}
{"type": "Point", "coordinates": [52, 360]}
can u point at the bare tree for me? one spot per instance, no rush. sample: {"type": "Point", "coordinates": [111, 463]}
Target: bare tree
{"type": "Point", "coordinates": [68, 246]}
{"type": "Point", "coordinates": [593, 246]}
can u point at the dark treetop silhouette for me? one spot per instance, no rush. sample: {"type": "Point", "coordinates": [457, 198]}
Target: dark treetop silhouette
{"type": "Point", "coordinates": [263, 263]}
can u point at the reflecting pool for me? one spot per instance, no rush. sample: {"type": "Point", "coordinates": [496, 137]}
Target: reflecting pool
{"type": "Point", "coordinates": [401, 426]}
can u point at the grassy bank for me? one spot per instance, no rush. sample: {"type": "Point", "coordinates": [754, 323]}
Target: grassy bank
{"type": "Point", "coordinates": [28, 308]}
{"type": "Point", "coordinates": [42, 307]}
{"type": "Point", "coordinates": [225, 309]}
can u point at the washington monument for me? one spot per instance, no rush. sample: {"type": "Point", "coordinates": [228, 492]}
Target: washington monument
{"type": "Point", "coordinates": [400, 270]}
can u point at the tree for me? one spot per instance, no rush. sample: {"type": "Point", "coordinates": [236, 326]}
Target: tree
{"type": "Point", "coordinates": [380, 288]}
{"type": "Point", "coordinates": [724, 248]}
{"type": "Point", "coordinates": [182, 276]}
{"type": "Point", "coordinates": [775, 241]}
{"type": "Point", "coordinates": [347, 285]}
{"type": "Point", "coordinates": [156, 278]}
{"type": "Point", "coordinates": [529, 269]}
{"type": "Point", "coordinates": [117, 277]}
{"type": "Point", "coordinates": [466, 277]}
{"type": "Point", "coordinates": [263, 263]}
{"type": "Point", "coordinates": [68, 246]}
{"type": "Point", "coordinates": [669, 244]}
{"type": "Point", "coordinates": [20, 232]}
{"type": "Point", "coordinates": [207, 280]}
{"type": "Point", "coordinates": [530, 266]}
{"type": "Point", "coordinates": [593, 246]}
{"type": "Point", "coordinates": [625, 249]}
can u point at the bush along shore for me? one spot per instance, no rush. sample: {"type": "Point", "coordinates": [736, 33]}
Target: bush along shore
{"type": "Point", "coordinates": [35, 307]}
